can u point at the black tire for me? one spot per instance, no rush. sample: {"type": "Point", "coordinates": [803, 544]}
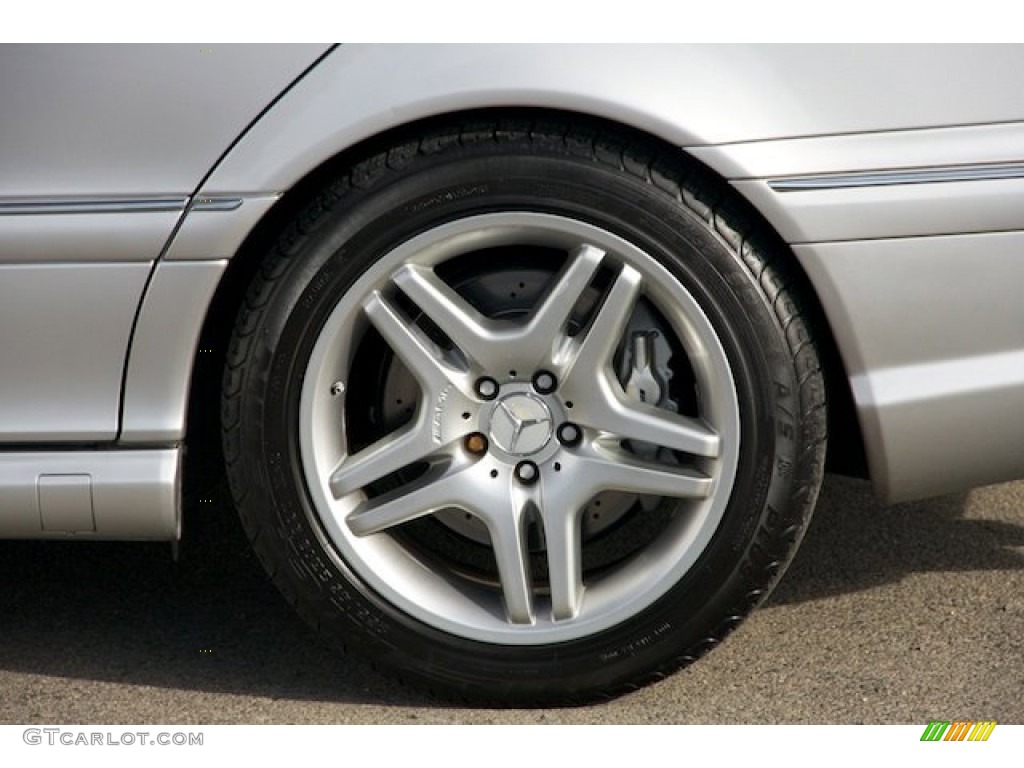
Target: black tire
{"type": "Point", "coordinates": [676, 215]}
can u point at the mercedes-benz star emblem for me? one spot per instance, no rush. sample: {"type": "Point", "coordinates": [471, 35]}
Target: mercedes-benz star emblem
{"type": "Point", "coordinates": [521, 424]}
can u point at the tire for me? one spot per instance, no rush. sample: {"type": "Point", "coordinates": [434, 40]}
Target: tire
{"type": "Point", "coordinates": [522, 414]}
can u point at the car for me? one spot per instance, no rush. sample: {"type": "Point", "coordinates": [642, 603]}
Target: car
{"type": "Point", "coordinates": [524, 364]}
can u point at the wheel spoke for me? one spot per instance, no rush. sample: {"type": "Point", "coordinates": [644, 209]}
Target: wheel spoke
{"type": "Point", "coordinates": [508, 538]}
{"type": "Point", "coordinates": [561, 509]}
{"type": "Point", "coordinates": [546, 329]}
{"type": "Point", "coordinates": [602, 407]}
{"type": "Point", "coordinates": [423, 358]}
{"type": "Point", "coordinates": [599, 401]}
{"type": "Point", "coordinates": [442, 486]}
{"type": "Point", "coordinates": [597, 469]}
{"type": "Point", "coordinates": [592, 353]}
{"type": "Point", "coordinates": [387, 455]}
{"type": "Point", "coordinates": [471, 332]}
{"type": "Point", "coordinates": [565, 570]}
{"type": "Point", "coordinates": [489, 343]}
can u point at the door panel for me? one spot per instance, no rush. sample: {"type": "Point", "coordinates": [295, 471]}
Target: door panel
{"type": "Point", "coordinates": [101, 120]}
{"type": "Point", "coordinates": [64, 332]}
{"type": "Point", "coordinates": [101, 148]}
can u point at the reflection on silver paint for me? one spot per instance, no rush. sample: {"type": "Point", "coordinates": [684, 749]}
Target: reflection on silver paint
{"type": "Point", "coordinates": [687, 95]}
{"type": "Point", "coordinates": [1002, 143]}
{"type": "Point", "coordinates": [930, 331]}
{"type": "Point", "coordinates": [132, 494]}
{"type": "Point", "coordinates": [216, 229]}
{"type": "Point", "coordinates": [85, 237]}
{"type": "Point", "coordinates": [944, 425]}
{"type": "Point", "coordinates": [63, 341]}
{"type": "Point", "coordinates": [109, 120]}
{"type": "Point", "coordinates": [163, 348]}
{"type": "Point", "coordinates": [912, 210]}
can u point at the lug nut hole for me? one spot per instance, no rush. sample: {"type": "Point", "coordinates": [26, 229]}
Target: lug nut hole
{"type": "Point", "coordinates": [569, 434]}
{"type": "Point", "coordinates": [487, 388]}
{"type": "Point", "coordinates": [545, 382]}
{"type": "Point", "coordinates": [527, 472]}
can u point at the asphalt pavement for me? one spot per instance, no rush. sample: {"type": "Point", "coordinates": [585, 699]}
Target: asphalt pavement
{"type": "Point", "coordinates": [899, 614]}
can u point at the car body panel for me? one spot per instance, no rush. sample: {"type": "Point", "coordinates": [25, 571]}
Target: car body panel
{"type": "Point", "coordinates": [211, 232]}
{"type": "Point", "coordinates": [953, 146]}
{"type": "Point", "coordinates": [115, 120]}
{"type": "Point", "coordinates": [787, 112]}
{"type": "Point", "coordinates": [63, 343]}
{"type": "Point", "coordinates": [163, 350]}
{"type": "Point", "coordinates": [882, 257]}
{"type": "Point", "coordinates": [48, 234]}
{"type": "Point", "coordinates": [689, 96]}
{"type": "Point", "coordinates": [91, 494]}
{"type": "Point", "coordinates": [101, 148]}
{"type": "Point", "coordinates": [889, 211]}
{"type": "Point", "coordinates": [164, 345]}
{"type": "Point", "coordinates": [930, 330]}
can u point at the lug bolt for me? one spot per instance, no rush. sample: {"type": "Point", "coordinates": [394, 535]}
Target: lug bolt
{"type": "Point", "coordinates": [526, 472]}
{"type": "Point", "coordinates": [487, 388]}
{"type": "Point", "coordinates": [544, 382]}
{"type": "Point", "coordinates": [476, 444]}
{"type": "Point", "coordinates": [569, 434]}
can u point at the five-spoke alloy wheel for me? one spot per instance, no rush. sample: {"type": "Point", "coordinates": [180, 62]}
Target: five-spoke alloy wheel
{"type": "Point", "coordinates": [523, 414]}
{"type": "Point", "coordinates": [555, 424]}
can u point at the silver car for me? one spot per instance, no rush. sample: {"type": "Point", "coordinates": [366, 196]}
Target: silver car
{"type": "Point", "coordinates": [529, 360]}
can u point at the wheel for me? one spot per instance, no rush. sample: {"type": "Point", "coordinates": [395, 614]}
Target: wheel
{"type": "Point", "coordinates": [523, 415]}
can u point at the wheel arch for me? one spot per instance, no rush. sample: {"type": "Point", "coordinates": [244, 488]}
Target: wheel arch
{"type": "Point", "coordinates": [480, 183]}
{"type": "Point", "coordinates": [846, 448]}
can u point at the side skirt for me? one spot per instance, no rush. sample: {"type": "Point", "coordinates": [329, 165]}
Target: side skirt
{"type": "Point", "coordinates": [91, 494]}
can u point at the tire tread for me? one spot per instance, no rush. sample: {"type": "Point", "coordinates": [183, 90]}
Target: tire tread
{"type": "Point", "coordinates": [706, 197]}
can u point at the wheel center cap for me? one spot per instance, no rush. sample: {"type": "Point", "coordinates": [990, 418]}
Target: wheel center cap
{"type": "Point", "coordinates": [521, 424]}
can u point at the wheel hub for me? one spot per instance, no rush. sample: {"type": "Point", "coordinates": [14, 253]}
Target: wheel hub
{"type": "Point", "coordinates": [521, 424]}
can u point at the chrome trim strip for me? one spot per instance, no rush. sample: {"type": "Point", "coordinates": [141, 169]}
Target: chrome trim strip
{"type": "Point", "coordinates": [204, 203]}
{"type": "Point", "coordinates": [119, 205]}
{"type": "Point", "coordinates": [204, 237]}
{"type": "Point", "coordinates": [29, 207]}
{"type": "Point", "coordinates": [897, 178]}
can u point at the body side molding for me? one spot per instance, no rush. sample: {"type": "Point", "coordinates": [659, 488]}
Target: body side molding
{"type": "Point", "coordinates": [47, 206]}
{"type": "Point", "coordinates": [899, 177]}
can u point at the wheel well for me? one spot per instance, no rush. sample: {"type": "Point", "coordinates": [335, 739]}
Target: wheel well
{"type": "Point", "coordinates": [204, 462]}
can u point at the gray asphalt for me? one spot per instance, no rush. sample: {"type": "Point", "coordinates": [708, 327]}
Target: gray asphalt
{"type": "Point", "coordinates": [899, 614]}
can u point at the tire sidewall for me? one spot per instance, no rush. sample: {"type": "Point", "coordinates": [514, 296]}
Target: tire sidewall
{"type": "Point", "coordinates": [725, 582]}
